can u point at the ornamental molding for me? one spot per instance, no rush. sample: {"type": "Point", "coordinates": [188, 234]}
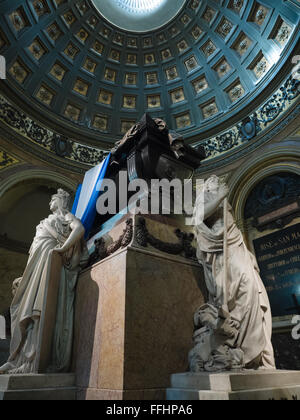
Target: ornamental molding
{"type": "Point", "coordinates": [58, 145]}
{"type": "Point", "coordinates": [258, 128]}
{"type": "Point", "coordinates": [255, 130]}
{"type": "Point", "coordinates": [7, 160]}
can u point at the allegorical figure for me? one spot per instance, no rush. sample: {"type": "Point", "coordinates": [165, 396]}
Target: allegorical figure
{"type": "Point", "coordinates": [63, 233]}
{"type": "Point", "coordinates": [234, 328]}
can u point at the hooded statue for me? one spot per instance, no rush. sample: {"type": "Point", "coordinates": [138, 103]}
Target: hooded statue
{"type": "Point", "coordinates": [233, 329]}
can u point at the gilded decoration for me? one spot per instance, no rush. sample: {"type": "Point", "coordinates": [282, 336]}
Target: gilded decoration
{"type": "Point", "coordinates": [6, 160]}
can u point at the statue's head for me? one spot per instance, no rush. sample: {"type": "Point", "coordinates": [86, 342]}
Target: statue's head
{"type": "Point", "coordinates": [212, 184]}
{"type": "Point", "coordinates": [60, 201]}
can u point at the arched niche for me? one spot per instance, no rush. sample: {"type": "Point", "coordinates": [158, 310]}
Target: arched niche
{"type": "Point", "coordinates": [284, 157]}
{"type": "Point", "coordinates": [275, 161]}
{"type": "Point", "coordinates": [24, 202]}
{"type": "Point", "coordinates": [254, 177]}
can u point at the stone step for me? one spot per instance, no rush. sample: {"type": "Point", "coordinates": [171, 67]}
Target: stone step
{"type": "Point", "coordinates": [50, 387]}
{"type": "Point", "coordinates": [235, 381]}
{"type": "Point", "coordinates": [283, 393]}
{"type": "Point", "coordinates": [34, 381]}
{"type": "Point", "coordinates": [51, 394]}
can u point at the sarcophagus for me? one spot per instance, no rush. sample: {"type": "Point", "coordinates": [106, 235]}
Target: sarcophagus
{"type": "Point", "coordinates": [148, 151]}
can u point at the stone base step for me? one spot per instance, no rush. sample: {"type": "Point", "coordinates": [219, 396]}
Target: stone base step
{"type": "Point", "coordinates": [285, 393]}
{"type": "Point", "coordinates": [242, 385]}
{"type": "Point", "coordinates": [38, 387]}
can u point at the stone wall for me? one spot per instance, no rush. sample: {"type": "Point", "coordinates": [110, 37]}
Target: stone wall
{"type": "Point", "coordinates": [4, 351]}
{"type": "Point", "coordinates": [287, 351]}
{"type": "Point", "coordinates": [12, 265]}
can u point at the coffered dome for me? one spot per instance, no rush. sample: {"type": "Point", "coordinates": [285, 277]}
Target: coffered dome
{"type": "Point", "coordinates": [91, 69]}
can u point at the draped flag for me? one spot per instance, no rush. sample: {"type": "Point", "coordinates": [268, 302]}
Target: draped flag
{"type": "Point", "coordinates": [84, 207]}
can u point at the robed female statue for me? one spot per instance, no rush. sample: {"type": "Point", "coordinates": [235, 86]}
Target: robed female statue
{"type": "Point", "coordinates": [63, 233]}
{"type": "Point", "coordinates": [233, 329]}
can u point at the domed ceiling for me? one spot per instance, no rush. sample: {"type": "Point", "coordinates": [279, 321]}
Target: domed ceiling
{"type": "Point", "coordinates": [205, 67]}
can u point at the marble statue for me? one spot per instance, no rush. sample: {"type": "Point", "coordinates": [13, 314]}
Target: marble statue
{"type": "Point", "coordinates": [61, 232]}
{"type": "Point", "coordinates": [233, 329]}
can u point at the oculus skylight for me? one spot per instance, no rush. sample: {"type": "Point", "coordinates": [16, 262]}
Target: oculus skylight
{"type": "Point", "coordinates": [139, 15]}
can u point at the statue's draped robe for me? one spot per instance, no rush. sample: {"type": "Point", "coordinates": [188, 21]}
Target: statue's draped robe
{"type": "Point", "coordinates": [27, 305]}
{"type": "Point", "coordinates": [248, 302]}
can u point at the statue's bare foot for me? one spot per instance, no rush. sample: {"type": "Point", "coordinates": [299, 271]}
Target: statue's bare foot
{"type": "Point", "coordinates": [4, 370]}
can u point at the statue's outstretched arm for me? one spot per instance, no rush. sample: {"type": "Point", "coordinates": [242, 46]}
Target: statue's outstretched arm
{"type": "Point", "coordinates": [76, 235]}
{"type": "Point", "coordinates": [211, 207]}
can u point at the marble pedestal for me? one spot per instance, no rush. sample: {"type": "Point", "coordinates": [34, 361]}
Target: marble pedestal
{"type": "Point", "coordinates": [37, 387]}
{"type": "Point", "coordinates": [134, 317]}
{"type": "Point", "coordinates": [245, 385]}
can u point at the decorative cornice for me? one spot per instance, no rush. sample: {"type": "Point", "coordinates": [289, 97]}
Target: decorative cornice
{"type": "Point", "coordinates": [52, 178]}
{"type": "Point", "coordinates": [263, 124]}
{"type": "Point", "coordinates": [56, 144]}
{"type": "Point", "coordinates": [243, 138]}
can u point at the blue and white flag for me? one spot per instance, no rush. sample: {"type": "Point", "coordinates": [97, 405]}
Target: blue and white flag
{"type": "Point", "coordinates": [84, 207]}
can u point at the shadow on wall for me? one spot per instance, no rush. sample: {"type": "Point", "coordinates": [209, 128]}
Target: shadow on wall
{"type": "Point", "coordinates": [21, 209]}
{"type": "Point", "coordinates": [12, 265]}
